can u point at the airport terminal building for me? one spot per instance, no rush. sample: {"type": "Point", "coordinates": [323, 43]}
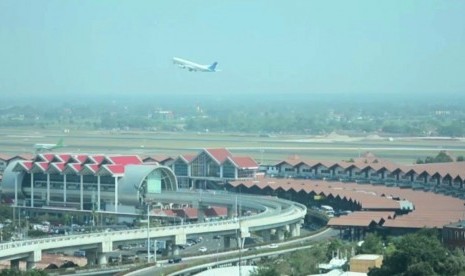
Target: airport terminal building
{"type": "Point", "coordinates": [119, 184]}
{"type": "Point", "coordinates": [113, 183]}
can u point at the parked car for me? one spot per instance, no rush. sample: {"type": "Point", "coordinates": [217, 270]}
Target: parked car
{"type": "Point", "coordinates": [273, 245]}
{"type": "Point", "coordinates": [203, 249]}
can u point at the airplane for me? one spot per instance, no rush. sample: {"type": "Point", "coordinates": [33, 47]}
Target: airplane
{"type": "Point", "coordinates": [44, 147]}
{"type": "Point", "coordinates": [192, 66]}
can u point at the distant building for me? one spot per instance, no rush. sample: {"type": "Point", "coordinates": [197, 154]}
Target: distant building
{"type": "Point", "coordinates": [453, 235]}
{"type": "Point", "coordinates": [211, 167]}
{"type": "Point", "coordinates": [363, 263]}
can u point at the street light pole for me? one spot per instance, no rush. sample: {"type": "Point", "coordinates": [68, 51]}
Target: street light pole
{"type": "Point", "coordinates": [148, 233]}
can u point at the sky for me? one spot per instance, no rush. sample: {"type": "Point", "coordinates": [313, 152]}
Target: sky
{"type": "Point", "coordinates": [263, 47]}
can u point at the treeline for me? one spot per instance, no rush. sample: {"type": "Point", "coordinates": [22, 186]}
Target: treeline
{"type": "Point", "coordinates": [297, 115]}
{"type": "Point", "coordinates": [442, 157]}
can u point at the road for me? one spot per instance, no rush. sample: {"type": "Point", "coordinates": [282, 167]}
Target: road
{"type": "Point", "coordinates": [325, 235]}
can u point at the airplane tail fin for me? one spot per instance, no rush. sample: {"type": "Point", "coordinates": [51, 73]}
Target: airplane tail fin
{"type": "Point", "coordinates": [60, 143]}
{"type": "Point", "coordinates": [213, 66]}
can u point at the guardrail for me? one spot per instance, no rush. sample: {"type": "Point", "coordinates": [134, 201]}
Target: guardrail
{"type": "Point", "coordinates": [285, 212]}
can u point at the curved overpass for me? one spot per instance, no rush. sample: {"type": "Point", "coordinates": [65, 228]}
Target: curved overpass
{"type": "Point", "coordinates": [274, 213]}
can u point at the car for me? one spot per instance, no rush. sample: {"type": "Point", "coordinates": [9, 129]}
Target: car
{"type": "Point", "coordinates": [217, 237]}
{"type": "Point", "coordinates": [273, 245]}
{"type": "Point", "coordinates": [175, 260]}
{"type": "Point", "coordinates": [203, 249]}
{"type": "Point", "coordinates": [190, 242]}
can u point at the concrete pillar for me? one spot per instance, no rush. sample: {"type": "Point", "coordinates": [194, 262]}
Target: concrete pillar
{"type": "Point", "coordinates": [98, 192]}
{"type": "Point", "coordinates": [102, 259]}
{"type": "Point", "coordinates": [240, 242]}
{"type": "Point", "coordinates": [221, 171]}
{"type": "Point", "coordinates": [235, 173]}
{"type": "Point", "coordinates": [266, 235]}
{"type": "Point", "coordinates": [33, 258]}
{"type": "Point", "coordinates": [14, 264]}
{"type": "Point", "coordinates": [295, 230]}
{"type": "Point", "coordinates": [48, 189]}
{"type": "Point", "coordinates": [280, 234]}
{"type": "Point", "coordinates": [82, 192]}
{"type": "Point", "coordinates": [174, 250]}
{"type": "Point", "coordinates": [30, 265]}
{"type": "Point", "coordinates": [227, 242]}
{"type": "Point", "coordinates": [91, 256]}
{"type": "Point", "coordinates": [32, 189]}
{"type": "Point", "coordinates": [168, 248]}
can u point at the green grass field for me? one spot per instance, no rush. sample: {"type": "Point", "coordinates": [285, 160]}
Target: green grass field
{"type": "Point", "coordinates": [264, 149]}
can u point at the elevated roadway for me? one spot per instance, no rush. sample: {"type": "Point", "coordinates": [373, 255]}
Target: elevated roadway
{"type": "Point", "coordinates": [273, 214]}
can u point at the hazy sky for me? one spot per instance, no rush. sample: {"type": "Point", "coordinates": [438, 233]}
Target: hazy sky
{"type": "Point", "coordinates": [116, 47]}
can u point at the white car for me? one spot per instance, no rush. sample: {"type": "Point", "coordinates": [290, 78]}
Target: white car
{"type": "Point", "coordinates": [273, 245]}
{"type": "Point", "coordinates": [203, 249]}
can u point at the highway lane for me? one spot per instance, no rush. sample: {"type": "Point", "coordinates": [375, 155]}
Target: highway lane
{"type": "Point", "coordinates": [213, 256]}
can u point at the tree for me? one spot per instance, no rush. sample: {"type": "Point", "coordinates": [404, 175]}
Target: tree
{"type": "Point", "coordinates": [372, 244]}
{"type": "Point", "coordinates": [14, 272]}
{"type": "Point", "coordinates": [443, 157]}
{"type": "Point", "coordinates": [265, 271]}
{"type": "Point", "coordinates": [421, 254]}
{"type": "Point", "coordinates": [302, 262]}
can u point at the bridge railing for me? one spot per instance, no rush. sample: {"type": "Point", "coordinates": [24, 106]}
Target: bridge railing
{"type": "Point", "coordinates": [291, 212]}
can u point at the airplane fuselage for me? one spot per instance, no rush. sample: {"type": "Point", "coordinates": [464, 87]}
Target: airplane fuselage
{"type": "Point", "coordinates": [192, 66]}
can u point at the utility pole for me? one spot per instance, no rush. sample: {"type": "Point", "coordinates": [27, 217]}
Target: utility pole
{"type": "Point", "coordinates": [148, 233]}
{"type": "Point", "coordinates": [148, 238]}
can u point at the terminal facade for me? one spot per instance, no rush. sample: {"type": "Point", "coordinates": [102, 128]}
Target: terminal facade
{"type": "Point", "coordinates": [115, 183]}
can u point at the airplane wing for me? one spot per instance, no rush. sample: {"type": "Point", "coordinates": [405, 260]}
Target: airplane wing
{"type": "Point", "coordinates": [194, 67]}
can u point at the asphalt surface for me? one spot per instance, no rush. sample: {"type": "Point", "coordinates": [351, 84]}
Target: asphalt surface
{"type": "Point", "coordinates": [209, 256]}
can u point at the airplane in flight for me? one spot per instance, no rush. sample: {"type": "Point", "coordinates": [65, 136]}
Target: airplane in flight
{"type": "Point", "coordinates": [46, 147]}
{"type": "Point", "coordinates": [192, 66]}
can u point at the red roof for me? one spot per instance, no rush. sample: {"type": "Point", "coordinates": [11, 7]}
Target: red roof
{"type": "Point", "coordinates": [5, 157]}
{"type": "Point", "coordinates": [96, 159]}
{"type": "Point", "coordinates": [125, 160]}
{"type": "Point", "coordinates": [25, 156]}
{"type": "Point", "coordinates": [93, 167]}
{"type": "Point", "coordinates": [80, 158]}
{"type": "Point", "coordinates": [48, 156]}
{"type": "Point", "coordinates": [244, 162]}
{"type": "Point", "coordinates": [59, 166]}
{"type": "Point", "coordinates": [27, 165]}
{"type": "Point", "coordinates": [42, 165]}
{"type": "Point", "coordinates": [219, 154]}
{"type": "Point", "coordinates": [190, 213]}
{"type": "Point", "coordinates": [115, 169]}
{"type": "Point", "coordinates": [430, 209]}
{"type": "Point", "coordinates": [216, 211]}
{"type": "Point", "coordinates": [188, 157]}
{"type": "Point", "coordinates": [76, 167]}
{"type": "Point", "coordinates": [64, 157]}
